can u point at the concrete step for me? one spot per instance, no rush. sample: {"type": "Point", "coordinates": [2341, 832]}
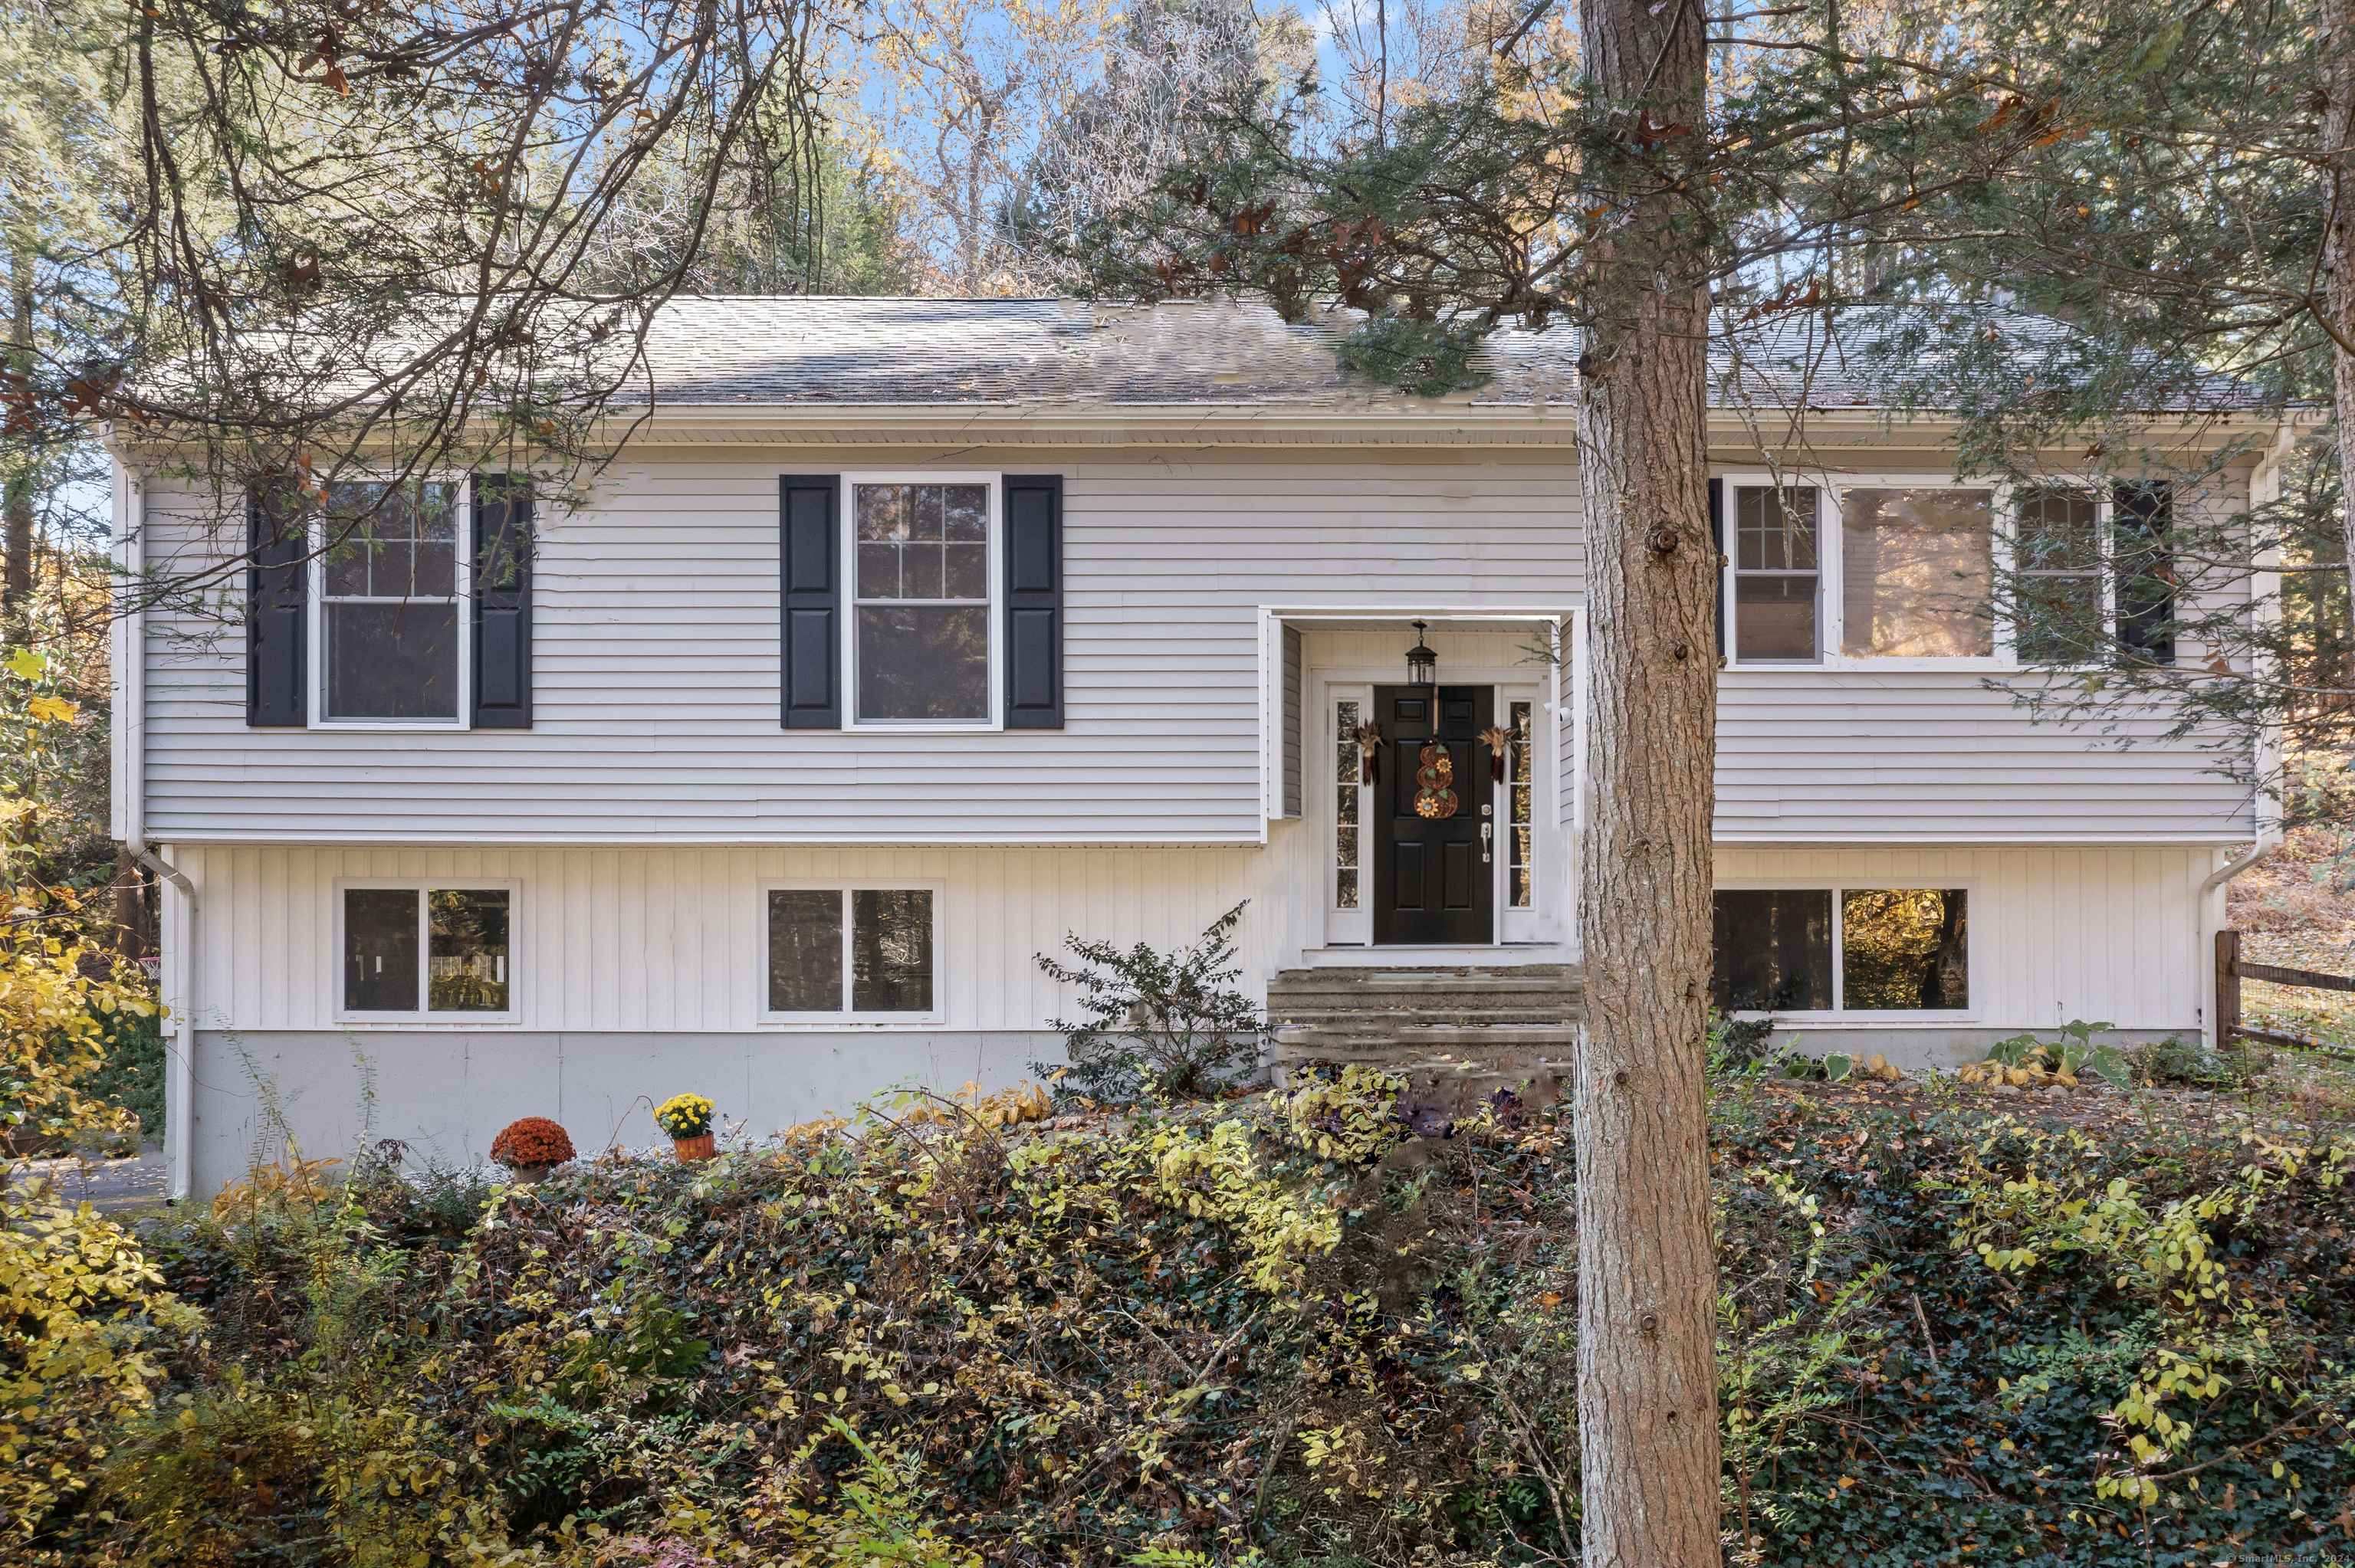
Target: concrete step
{"type": "Point", "coordinates": [1505, 1020]}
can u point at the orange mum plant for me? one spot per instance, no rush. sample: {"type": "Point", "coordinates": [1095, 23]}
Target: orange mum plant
{"type": "Point", "coordinates": [534, 1140]}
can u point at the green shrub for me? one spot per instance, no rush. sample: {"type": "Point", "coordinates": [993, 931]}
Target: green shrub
{"type": "Point", "coordinates": [1164, 1025]}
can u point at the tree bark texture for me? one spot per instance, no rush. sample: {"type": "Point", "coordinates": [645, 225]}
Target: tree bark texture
{"type": "Point", "coordinates": [17, 488]}
{"type": "Point", "coordinates": [1648, 1462]}
{"type": "Point", "coordinates": [2339, 241]}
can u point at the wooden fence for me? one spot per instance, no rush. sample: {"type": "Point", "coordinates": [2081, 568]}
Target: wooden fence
{"type": "Point", "coordinates": [2231, 969]}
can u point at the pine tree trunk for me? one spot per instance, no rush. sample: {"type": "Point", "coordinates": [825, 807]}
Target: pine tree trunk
{"type": "Point", "coordinates": [17, 489]}
{"type": "Point", "coordinates": [1648, 1459]}
{"type": "Point", "coordinates": [2338, 241]}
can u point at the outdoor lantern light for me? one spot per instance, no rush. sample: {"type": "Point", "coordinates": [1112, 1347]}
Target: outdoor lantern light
{"type": "Point", "coordinates": [1422, 664]}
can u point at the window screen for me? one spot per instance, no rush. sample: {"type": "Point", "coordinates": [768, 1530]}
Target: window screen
{"type": "Point", "coordinates": [380, 950]}
{"type": "Point", "coordinates": [1775, 569]}
{"type": "Point", "coordinates": [805, 950]}
{"type": "Point", "coordinates": [2142, 517]}
{"type": "Point", "coordinates": [1774, 950]}
{"type": "Point", "coordinates": [921, 570]}
{"type": "Point", "coordinates": [389, 602]}
{"type": "Point", "coordinates": [1915, 568]}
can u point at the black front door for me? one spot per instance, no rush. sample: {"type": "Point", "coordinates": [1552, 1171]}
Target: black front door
{"type": "Point", "coordinates": [1432, 865]}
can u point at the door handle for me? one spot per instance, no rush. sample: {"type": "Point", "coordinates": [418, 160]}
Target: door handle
{"type": "Point", "coordinates": [1487, 832]}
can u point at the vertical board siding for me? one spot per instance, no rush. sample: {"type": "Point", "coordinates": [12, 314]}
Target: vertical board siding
{"type": "Point", "coordinates": [655, 941]}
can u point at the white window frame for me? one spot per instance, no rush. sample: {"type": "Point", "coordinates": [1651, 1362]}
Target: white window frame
{"type": "Point", "coordinates": [1837, 1015]}
{"type": "Point", "coordinates": [993, 486]}
{"type": "Point", "coordinates": [1831, 570]}
{"type": "Point", "coordinates": [846, 886]}
{"type": "Point", "coordinates": [2104, 515]}
{"type": "Point", "coordinates": [1353, 927]}
{"type": "Point", "coordinates": [316, 613]}
{"type": "Point", "coordinates": [511, 886]}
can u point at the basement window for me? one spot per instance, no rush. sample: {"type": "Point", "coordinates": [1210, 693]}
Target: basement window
{"type": "Point", "coordinates": [1841, 950]}
{"type": "Point", "coordinates": [850, 953]}
{"type": "Point", "coordinates": [428, 953]}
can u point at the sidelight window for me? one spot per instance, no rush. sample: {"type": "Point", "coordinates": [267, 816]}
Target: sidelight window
{"type": "Point", "coordinates": [920, 626]}
{"type": "Point", "coordinates": [1349, 767]}
{"type": "Point", "coordinates": [1521, 827]}
{"type": "Point", "coordinates": [417, 951]}
{"type": "Point", "coordinates": [1842, 950]}
{"type": "Point", "coordinates": [847, 952]}
{"type": "Point", "coordinates": [390, 585]}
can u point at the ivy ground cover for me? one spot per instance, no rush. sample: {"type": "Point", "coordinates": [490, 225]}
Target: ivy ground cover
{"type": "Point", "coordinates": [1277, 1330]}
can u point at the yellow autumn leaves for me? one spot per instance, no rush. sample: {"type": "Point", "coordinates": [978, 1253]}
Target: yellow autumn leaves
{"type": "Point", "coordinates": [27, 666]}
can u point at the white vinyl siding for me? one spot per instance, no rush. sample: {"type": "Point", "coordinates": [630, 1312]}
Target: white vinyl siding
{"type": "Point", "coordinates": [655, 663]}
{"type": "Point", "coordinates": [656, 657]}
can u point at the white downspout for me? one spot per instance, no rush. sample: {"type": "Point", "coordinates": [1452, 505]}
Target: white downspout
{"type": "Point", "coordinates": [130, 779]}
{"type": "Point", "coordinates": [2265, 585]}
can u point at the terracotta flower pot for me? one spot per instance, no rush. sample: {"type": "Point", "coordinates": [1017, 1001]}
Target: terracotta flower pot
{"type": "Point", "coordinates": [528, 1175]}
{"type": "Point", "coordinates": [687, 1149]}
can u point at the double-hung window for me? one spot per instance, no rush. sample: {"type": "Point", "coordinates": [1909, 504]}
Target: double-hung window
{"type": "Point", "coordinates": [2095, 576]}
{"type": "Point", "coordinates": [1836, 950]}
{"type": "Point", "coordinates": [1776, 573]}
{"type": "Point", "coordinates": [854, 952]}
{"type": "Point", "coordinates": [922, 632]}
{"type": "Point", "coordinates": [389, 577]}
{"type": "Point", "coordinates": [1856, 572]}
{"type": "Point", "coordinates": [434, 952]}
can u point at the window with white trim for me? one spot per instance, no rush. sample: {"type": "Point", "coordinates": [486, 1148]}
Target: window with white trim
{"type": "Point", "coordinates": [921, 626]}
{"type": "Point", "coordinates": [1840, 950]}
{"type": "Point", "coordinates": [390, 585]}
{"type": "Point", "coordinates": [1777, 579]}
{"type": "Point", "coordinates": [1917, 564]}
{"type": "Point", "coordinates": [2095, 577]}
{"type": "Point", "coordinates": [427, 951]}
{"type": "Point", "coordinates": [851, 952]}
{"type": "Point", "coordinates": [1840, 575]}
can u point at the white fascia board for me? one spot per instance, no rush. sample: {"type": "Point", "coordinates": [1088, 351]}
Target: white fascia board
{"type": "Point", "coordinates": [421, 839]}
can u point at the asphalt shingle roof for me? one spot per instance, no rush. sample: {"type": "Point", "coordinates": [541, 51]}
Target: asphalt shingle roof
{"type": "Point", "coordinates": [895, 351]}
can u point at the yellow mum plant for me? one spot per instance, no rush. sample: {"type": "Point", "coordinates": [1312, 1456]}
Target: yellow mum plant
{"type": "Point", "coordinates": [685, 1116]}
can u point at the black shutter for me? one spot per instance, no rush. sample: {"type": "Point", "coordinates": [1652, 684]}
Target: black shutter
{"type": "Point", "coordinates": [503, 558]}
{"type": "Point", "coordinates": [810, 524]}
{"type": "Point", "coordinates": [277, 645]}
{"type": "Point", "coordinates": [1034, 602]}
{"type": "Point", "coordinates": [1717, 536]}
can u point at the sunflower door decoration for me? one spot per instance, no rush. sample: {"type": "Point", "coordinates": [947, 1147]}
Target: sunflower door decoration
{"type": "Point", "coordinates": [1434, 793]}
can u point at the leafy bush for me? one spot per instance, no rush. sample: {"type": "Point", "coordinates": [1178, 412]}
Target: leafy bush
{"type": "Point", "coordinates": [82, 1316]}
{"type": "Point", "coordinates": [1276, 1328]}
{"type": "Point", "coordinates": [1739, 1044]}
{"type": "Point", "coordinates": [130, 1079]}
{"type": "Point", "coordinates": [2185, 1064]}
{"type": "Point", "coordinates": [1167, 1025]}
{"type": "Point", "coordinates": [59, 1003]}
